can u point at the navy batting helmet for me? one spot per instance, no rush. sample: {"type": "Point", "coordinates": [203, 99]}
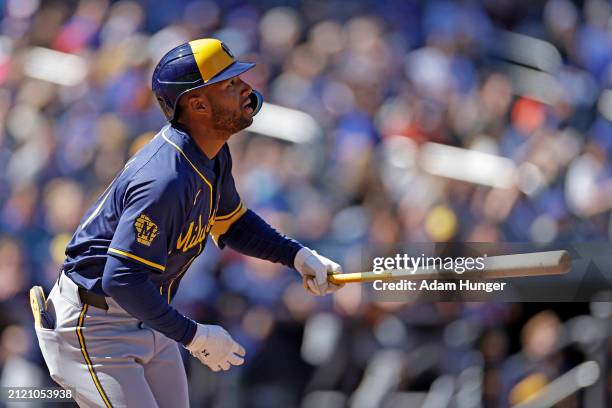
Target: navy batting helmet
{"type": "Point", "coordinates": [193, 65]}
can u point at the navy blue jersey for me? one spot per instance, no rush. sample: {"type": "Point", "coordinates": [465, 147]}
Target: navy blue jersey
{"type": "Point", "coordinates": [158, 212]}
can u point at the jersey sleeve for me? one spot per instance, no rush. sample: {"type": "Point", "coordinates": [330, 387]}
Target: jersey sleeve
{"type": "Point", "coordinates": [230, 207]}
{"type": "Point", "coordinates": [151, 213]}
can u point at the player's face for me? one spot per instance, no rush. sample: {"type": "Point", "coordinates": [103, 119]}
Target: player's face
{"type": "Point", "coordinates": [229, 102]}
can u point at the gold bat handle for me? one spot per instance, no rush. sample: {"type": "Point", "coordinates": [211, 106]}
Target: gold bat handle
{"type": "Point", "coordinates": [355, 277]}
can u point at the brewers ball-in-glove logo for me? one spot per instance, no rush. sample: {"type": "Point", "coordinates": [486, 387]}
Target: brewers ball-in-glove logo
{"type": "Point", "coordinates": [146, 230]}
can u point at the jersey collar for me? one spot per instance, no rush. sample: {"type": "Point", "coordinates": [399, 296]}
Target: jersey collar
{"type": "Point", "coordinates": [190, 147]}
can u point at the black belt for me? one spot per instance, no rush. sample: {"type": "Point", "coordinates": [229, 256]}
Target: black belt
{"type": "Point", "coordinates": [93, 299]}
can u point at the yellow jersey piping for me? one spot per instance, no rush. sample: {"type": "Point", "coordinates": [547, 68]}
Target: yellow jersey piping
{"type": "Point", "coordinates": [137, 258]}
{"type": "Point", "coordinates": [210, 188]}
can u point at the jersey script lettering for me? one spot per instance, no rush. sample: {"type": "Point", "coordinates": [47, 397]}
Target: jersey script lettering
{"type": "Point", "coordinates": [194, 236]}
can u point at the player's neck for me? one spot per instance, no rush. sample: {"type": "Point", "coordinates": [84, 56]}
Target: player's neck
{"type": "Point", "coordinates": [209, 141]}
{"type": "Point", "coordinates": [209, 145]}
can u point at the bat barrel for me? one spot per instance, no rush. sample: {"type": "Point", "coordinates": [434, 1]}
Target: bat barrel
{"type": "Point", "coordinates": [495, 267]}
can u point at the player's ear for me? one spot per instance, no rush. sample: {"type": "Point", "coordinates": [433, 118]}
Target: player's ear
{"type": "Point", "coordinates": [198, 103]}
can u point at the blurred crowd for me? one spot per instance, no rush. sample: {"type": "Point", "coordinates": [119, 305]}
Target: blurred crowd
{"type": "Point", "coordinates": [530, 81]}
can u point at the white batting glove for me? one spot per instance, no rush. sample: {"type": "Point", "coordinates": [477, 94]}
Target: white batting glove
{"type": "Point", "coordinates": [314, 269]}
{"type": "Point", "coordinates": [215, 348]}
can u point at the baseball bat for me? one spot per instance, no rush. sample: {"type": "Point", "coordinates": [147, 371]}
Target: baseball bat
{"type": "Point", "coordinates": [495, 267]}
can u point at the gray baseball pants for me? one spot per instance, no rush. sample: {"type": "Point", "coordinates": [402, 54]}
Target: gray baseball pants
{"type": "Point", "coordinates": [107, 357]}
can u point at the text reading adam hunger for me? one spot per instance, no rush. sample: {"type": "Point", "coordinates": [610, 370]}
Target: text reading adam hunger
{"type": "Point", "coordinates": [435, 285]}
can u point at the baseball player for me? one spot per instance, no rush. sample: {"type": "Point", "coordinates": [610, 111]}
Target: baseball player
{"type": "Point", "coordinates": [107, 329]}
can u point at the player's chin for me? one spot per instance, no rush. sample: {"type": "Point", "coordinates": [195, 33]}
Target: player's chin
{"type": "Point", "coordinates": [247, 117]}
{"type": "Point", "coordinates": [242, 122]}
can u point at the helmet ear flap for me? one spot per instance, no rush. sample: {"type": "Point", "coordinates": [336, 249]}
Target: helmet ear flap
{"type": "Point", "coordinates": [256, 101]}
